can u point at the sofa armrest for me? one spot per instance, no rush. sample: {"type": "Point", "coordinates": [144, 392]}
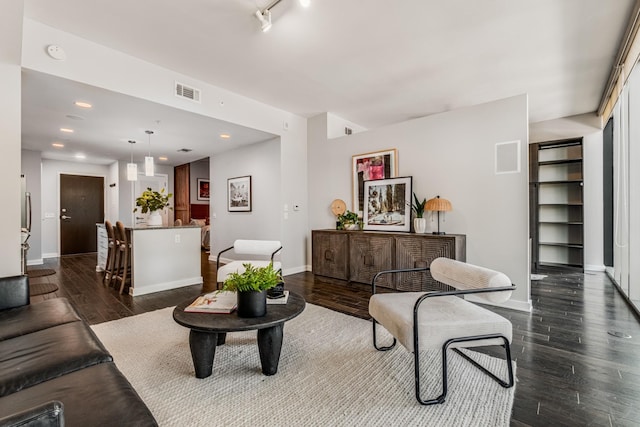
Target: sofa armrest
{"type": "Point", "coordinates": [14, 291]}
{"type": "Point", "coordinates": [44, 415]}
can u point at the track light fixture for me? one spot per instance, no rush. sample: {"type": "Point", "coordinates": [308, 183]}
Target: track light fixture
{"type": "Point", "coordinates": [265, 19]}
{"type": "Point", "coordinates": [264, 16]}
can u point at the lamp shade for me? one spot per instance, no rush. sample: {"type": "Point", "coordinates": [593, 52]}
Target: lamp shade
{"type": "Point", "coordinates": [132, 172]}
{"type": "Point", "coordinates": [148, 166]}
{"type": "Point", "coordinates": [438, 204]}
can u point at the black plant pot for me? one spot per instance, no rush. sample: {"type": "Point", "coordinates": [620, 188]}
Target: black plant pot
{"type": "Point", "coordinates": [252, 303]}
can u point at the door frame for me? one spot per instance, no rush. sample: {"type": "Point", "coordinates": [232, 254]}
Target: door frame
{"type": "Point", "coordinates": [76, 173]}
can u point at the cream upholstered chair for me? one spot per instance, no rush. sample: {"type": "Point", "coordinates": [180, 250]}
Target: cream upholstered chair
{"type": "Point", "coordinates": [442, 320]}
{"type": "Point", "coordinates": [262, 248]}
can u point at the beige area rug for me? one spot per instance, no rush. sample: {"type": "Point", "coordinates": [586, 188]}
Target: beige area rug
{"type": "Point", "coordinates": [329, 375]}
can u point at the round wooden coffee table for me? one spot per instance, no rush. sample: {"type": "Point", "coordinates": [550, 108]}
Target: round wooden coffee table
{"type": "Point", "coordinates": [209, 330]}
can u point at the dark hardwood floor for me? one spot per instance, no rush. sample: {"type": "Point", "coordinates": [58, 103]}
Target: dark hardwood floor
{"type": "Point", "coordinates": [570, 370]}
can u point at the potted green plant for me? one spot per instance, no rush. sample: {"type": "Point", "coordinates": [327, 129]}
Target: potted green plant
{"type": "Point", "coordinates": [153, 202]}
{"type": "Point", "coordinates": [419, 223]}
{"type": "Point", "coordinates": [348, 221]}
{"type": "Point", "coordinates": [251, 287]}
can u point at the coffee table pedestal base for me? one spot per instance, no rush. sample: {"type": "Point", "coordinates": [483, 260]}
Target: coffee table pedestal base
{"type": "Point", "coordinates": [203, 349]}
{"type": "Point", "coordinates": [269, 346]}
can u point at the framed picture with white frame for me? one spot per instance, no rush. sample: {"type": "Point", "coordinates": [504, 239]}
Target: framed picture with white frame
{"type": "Point", "coordinates": [387, 204]}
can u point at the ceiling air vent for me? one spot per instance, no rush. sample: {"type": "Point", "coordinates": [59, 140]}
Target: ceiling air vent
{"type": "Point", "coordinates": [185, 150]}
{"type": "Point", "coordinates": [184, 91]}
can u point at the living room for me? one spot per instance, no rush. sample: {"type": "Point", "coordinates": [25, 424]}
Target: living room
{"type": "Point", "coordinates": [450, 153]}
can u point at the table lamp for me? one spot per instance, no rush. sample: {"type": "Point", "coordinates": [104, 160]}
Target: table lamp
{"type": "Point", "coordinates": [438, 205]}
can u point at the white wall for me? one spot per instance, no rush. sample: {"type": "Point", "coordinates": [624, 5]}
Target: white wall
{"type": "Point", "coordinates": [10, 129]}
{"type": "Point", "coordinates": [32, 170]}
{"type": "Point", "coordinates": [51, 170]}
{"type": "Point", "coordinates": [112, 202]}
{"type": "Point", "coordinates": [262, 162]}
{"type": "Point", "coordinates": [198, 169]}
{"type": "Point", "coordinates": [587, 126]}
{"type": "Point", "coordinates": [100, 66]}
{"type": "Point", "coordinates": [452, 155]}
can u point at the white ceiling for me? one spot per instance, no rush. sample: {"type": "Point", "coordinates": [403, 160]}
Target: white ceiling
{"type": "Point", "coordinates": [370, 62]}
{"type": "Point", "coordinates": [103, 132]}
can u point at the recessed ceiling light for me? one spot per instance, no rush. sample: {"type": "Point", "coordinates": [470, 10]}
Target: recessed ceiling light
{"type": "Point", "coordinates": [80, 156]}
{"type": "Point", "coordinates": [58, 144]}
{"type": "Point", "coordinates": [163, 158]}
{"type": "Point", "coordinates": [82, 104]}
{"type": "Point", "coordinates": [67, 130]}
{"type": "Point", "coordinates": [225, 136]}
{"type": "Point", "coordinates": [305, 3]}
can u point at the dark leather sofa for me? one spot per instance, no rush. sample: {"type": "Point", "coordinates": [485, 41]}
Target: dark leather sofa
{"type": "Point", "coordinates": [55, 371]}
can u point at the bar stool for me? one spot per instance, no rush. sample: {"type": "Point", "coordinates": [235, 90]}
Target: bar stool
{"type": "Point", "coordinates": [124, 256]}
{"type": "Point", "coordinates": [111, 253]}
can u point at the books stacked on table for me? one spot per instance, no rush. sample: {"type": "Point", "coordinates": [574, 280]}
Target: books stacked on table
{"type": "Point", "coordinates": [214, 302]}
{"type": "Point", "coordinates": [278, 300]}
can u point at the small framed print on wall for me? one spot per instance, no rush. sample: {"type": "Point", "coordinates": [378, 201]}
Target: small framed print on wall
{"type": "Point", "coordinates": [203, 189]}
{"type": "Point", "coordinates": [239, 194]}
{"type": "Point", "coordinates": [387, 204]}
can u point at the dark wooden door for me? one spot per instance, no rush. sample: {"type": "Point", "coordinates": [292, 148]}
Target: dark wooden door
{"type": "Point", "coordinates": [81, 208]}
{"type": "Point", "coordinates": [182, 206]}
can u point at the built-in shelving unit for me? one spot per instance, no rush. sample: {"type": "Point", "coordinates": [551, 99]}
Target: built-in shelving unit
{"type": "Point", "coordinates": [556, 196]}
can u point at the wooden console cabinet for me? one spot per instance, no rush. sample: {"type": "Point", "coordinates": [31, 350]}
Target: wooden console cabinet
{"type": "Point", "coordinates": [358, 255]}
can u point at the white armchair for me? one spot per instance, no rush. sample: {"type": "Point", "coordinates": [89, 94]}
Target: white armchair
{"type": "Point", "coordinates": [257, 248]}
{"type": "Point", "coordinates": [443, 320]}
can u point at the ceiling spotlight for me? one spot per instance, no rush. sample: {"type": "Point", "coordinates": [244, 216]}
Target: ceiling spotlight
{"type": "Point", "coordinates": [225, 136]}
{"type": "Point", "coordinates": [82, 104]}
{"type": "Point", "coordinates": [305, 3]}
{"type": "Point", "coordinates": [163, 158]}
{"type": "Point", "coordinates": [58, 144]}
{"type": "Point", "coordinates": [66, 130]}
{"type": "Point", "coordinates": [265, 19]}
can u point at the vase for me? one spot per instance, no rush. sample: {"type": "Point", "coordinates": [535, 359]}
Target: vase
{"type": "Point", "coordinates": [419, 225]}
{"type": "Point", "coordinates": [252, 303]}
{"type": "Point", "coordinates": [155, 219]}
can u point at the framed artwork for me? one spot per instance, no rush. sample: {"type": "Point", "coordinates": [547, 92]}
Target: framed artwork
{"type": "Point", "coordinates": [203, 189]}
{"type": "Point", "coordinates": [239, 194]}
{"type": "Point", "coordinates": [370, 166]}
{"type": "Point", "coordinates": [388, 204]}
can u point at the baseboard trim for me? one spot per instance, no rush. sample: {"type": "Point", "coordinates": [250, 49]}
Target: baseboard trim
{"type": "Point", "coordinates": [50, 255]}
{"type": "Point", "coordinates": [38, 261]}
{"type": "Point", "coordinates": [165, 286]}
{"type": "Point", "coordinates": [512, 304]}
{"type": "Point", "coordinates": [594, 267]}
{"type": "Point", "coordinates": [295, 270]}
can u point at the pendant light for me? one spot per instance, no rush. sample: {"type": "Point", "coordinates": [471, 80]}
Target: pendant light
{"type": "Point", "coordinates": [148, 161]}
{"type": "Point", "coordinates": [132, 168]}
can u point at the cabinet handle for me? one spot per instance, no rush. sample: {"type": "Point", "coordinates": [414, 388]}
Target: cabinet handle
{"type": "Point", "coordinates": [328, 255]}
